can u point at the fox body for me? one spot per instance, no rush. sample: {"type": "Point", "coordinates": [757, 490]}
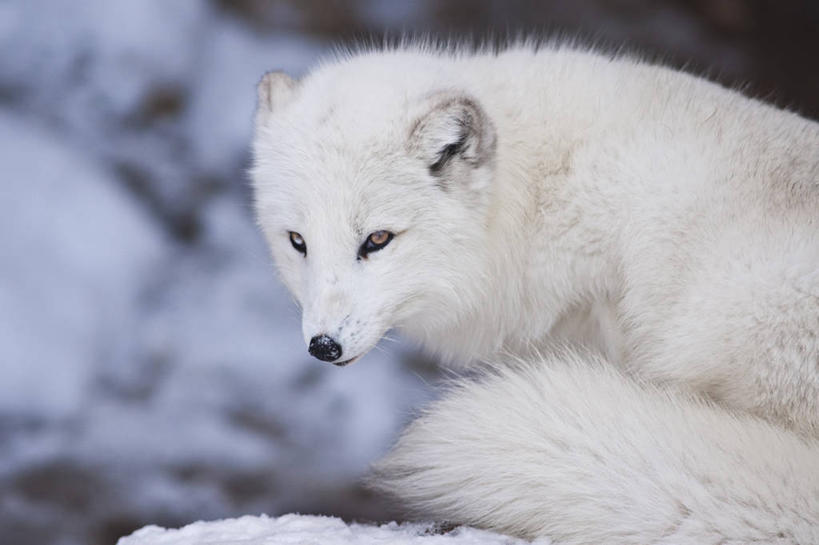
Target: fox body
{"type": "Point", "coordinates": [635, 249]}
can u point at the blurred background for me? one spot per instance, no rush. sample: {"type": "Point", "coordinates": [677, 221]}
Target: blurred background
{"type": "Point", "coordinates": [151, 367]}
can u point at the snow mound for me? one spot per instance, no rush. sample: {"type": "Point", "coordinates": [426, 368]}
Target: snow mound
{"type": "Point", "coordinates": [74, 255]}
{"type": "Point", "coordinates": [314, 530]}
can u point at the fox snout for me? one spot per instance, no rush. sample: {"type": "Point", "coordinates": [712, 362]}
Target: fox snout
{"type": "Point", "coordinates": [324, 348]}
{"type": "Point", "coordinates": [339, 341]}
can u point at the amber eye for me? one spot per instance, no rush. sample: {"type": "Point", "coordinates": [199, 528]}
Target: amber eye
{"type": "Point", "coordinates": [298, 242]}
{"type": "Point", "coordinates": [380, 237]}
{"type": "Point", "coordinates": [375, 241]}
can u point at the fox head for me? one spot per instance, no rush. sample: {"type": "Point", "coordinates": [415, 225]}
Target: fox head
{"type": "Point", "coordinates": [374, 200]}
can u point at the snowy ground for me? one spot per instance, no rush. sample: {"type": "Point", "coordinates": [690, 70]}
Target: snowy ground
{"type": "Point", "coordinates": [312, 530]}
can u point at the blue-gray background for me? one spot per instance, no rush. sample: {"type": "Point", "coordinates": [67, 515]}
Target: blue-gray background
{"type": "Point", "coordinates": [151, 367]}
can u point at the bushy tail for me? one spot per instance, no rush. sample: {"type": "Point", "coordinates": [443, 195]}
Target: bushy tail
{"type": "Point", "coordinates": [574, 450]}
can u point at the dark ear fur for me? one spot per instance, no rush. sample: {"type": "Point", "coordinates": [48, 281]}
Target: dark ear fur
{"type": "Point", "coordinates": [454, 126]}
{"type": "Point", "coordinates": [273, 91]}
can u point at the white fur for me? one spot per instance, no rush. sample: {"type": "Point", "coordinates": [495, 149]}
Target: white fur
{"type": "Point", "coordinates": [665, 222]}
{"type": "Point", "coordinates": [572, 449]}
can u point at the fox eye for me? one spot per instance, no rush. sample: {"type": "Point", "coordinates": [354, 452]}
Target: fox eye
{"type": "Point", "coordinates": [375, 241]}
{"type": "Point", "coordinates": [298, 243]}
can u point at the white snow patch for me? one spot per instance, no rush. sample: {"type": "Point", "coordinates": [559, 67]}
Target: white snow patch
{"type": "Point", "coordinates": [90, 60]}
{"type": "Point", "coordinates": [313, 530]}
{"type": "Point", "coordinates": [74, 254]}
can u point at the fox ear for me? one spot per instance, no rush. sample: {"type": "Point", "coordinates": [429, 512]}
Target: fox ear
{"type": "Point", "coordinates": [273, 91]}
{"type": "Point", "coordinates": [454, 127]}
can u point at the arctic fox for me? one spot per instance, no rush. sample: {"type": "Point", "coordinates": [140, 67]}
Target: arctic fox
{"type": "Point", "coordinates": [634, 249]}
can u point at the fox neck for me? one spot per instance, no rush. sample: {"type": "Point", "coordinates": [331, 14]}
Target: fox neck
{"type": "Point", "coordinates": [543, 262]}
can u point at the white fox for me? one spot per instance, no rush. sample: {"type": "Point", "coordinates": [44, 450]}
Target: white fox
{"type": "Point", "coordinates": [654, 235]}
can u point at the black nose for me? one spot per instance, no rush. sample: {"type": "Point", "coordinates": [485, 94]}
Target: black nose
{"type": "Point", "coordinates": [324, 348]}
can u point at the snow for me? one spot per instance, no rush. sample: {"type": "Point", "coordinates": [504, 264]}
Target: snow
{"type": "Point", "coordinates": [74, 254]}
{"type": "Point", "coordinates": [94, 55]}
{"type": "Point", "coordinates": [315, 530]}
